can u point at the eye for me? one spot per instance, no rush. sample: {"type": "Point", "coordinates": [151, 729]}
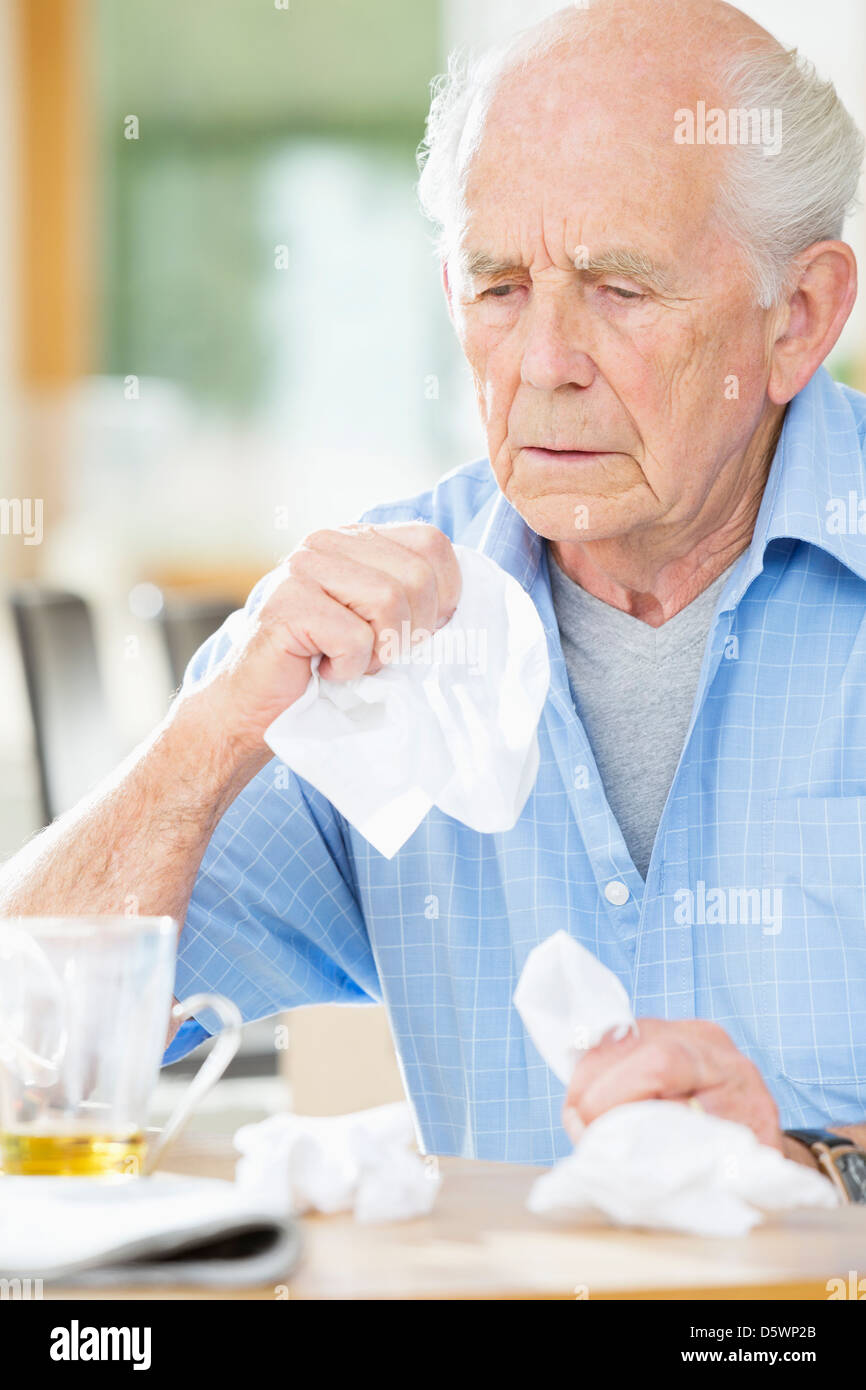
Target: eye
{"type": "Point", "coordinates": [621, 293]}
{"type": "Point", "coordinates": [498, 291]}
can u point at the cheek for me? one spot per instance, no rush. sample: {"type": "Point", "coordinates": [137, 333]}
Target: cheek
{"type": "Point", "coordinates": [724, 388]}
{"type": "Point", "coordinates": [495, 366]}
{"type": "Point", "coordinates": [697, 380]}
{"type": "Point", "coordinates": [728, 349]}
{"type": "Point", "coordinates": [496, 378]}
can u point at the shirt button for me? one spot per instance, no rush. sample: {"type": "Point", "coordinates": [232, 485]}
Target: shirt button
{"type": "Point", "coordinates": [616, 892]}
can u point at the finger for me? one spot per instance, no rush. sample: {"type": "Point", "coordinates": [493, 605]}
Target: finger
{"type": "Point", "coordinates": [302, 620]}
{"type": "Point", "coordinates": [420, 556]}
{"type": "Point", "coordinates": [435, 547]}
{"type": "Point", "coordinates": [613, 1046]}
{"type": "Point", "coordinates": [692, 1033]}
{"type": "Point", "coordinates": [657, 1069]}
{"type": "Point", "coordinates": [373, 594]}
{"type": "Point", "coordinates": [744, 1097]}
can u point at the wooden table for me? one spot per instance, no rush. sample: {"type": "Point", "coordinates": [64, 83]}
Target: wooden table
{"type": "Point", "coordinates": [480, 1242]}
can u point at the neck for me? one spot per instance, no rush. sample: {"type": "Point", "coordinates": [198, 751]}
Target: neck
{"type": "Point", "coordinates": [653, 574]}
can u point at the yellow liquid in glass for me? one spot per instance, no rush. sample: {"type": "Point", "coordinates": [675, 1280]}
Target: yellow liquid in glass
{"type": "Point", "coordinates": [72, 1155]}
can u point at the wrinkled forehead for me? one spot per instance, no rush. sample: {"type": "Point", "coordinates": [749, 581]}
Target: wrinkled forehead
{"type": "Point", "coordinates": [577, 153]}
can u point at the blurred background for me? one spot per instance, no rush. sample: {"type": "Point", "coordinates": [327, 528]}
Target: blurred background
{"type": "Point", "coordinates": [221, 325]}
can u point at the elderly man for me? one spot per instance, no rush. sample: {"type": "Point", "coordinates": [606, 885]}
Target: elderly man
{"type": "Point", "coordinates": [645, 301]}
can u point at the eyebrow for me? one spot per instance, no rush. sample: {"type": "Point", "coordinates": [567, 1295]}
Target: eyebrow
{"type": "Point", "coordinates": [627, 261]}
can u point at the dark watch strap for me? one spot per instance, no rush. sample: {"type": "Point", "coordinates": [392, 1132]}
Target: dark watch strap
{"type": "Point", "coordinates": [841, 1159]}
{"type": "Point", "coordinates": [811, 1137]}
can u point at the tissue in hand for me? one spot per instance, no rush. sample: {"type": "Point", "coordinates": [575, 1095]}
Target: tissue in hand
{"type": "Point", "coordinates": [568, 1000]}
{"type": "Point", "coordinates": [651, 1163]}
{"type": "Point", "coordinates": [451, 723]}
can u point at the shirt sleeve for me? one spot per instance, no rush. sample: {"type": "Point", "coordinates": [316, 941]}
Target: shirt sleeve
{"type": "Point", "coordinates": [274, 919]}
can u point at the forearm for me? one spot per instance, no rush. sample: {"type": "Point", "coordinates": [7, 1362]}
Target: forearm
{"type": "Point", "coordinates": [135, 844]}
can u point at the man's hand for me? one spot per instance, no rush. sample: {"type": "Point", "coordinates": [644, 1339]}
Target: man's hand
{"type": "Point", "coordinates": [683, 1060]}
{"type": "Point", "coordinates": [142, 832]}
{"type": "Point", "coordinates": [341, 591]}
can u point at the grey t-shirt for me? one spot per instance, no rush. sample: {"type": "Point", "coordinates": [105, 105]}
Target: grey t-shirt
{"type": "Point", "coordinates": [633, 687]}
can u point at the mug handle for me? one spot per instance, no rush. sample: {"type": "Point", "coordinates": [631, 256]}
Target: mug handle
{"type": "Point", "coordinates": [227, 1043]}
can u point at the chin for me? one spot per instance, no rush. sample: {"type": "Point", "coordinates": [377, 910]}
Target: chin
{"type": "Point", "coordinates": [557, 517]}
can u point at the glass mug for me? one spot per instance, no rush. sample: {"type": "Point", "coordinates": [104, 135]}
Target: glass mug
{"type": "Point", "coordinates": [84, 1012]}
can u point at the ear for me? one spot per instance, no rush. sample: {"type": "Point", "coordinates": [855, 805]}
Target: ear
{"type": "Point", "coordinates": [446, 285]}
{"type": "Point", "coordinates": [814, 316]}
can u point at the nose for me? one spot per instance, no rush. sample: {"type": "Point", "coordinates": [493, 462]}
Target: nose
{"type": "Point", "coordinates": [555, 350]}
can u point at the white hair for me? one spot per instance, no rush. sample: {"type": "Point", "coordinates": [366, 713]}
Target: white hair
{"type": "Point", "coordinates": [776, 207]}
{"type": "Point", "coordinates": [773, 207]}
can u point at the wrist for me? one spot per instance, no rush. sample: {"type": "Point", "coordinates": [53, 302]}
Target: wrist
{"type": "Point", "coordinates": [799, 1152]}
{"type": "Point", "coordinates": [205, 754]}
{"type": "Point", "coordinates": [840, 1156]}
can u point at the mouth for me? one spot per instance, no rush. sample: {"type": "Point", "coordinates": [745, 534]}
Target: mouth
{"type": "Point", "coordinates": [566, 455]}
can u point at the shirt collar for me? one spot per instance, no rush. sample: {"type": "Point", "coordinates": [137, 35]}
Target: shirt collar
{"type": "Point", "coordinates": [500, 532]}
{"type": "Point", "coordinates": [818, 459]}
{"type": "Point", "coordinates": [817, 466]}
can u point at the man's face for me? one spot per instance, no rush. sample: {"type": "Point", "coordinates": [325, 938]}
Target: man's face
{"type": "Point", "coordinates": [621, 394]}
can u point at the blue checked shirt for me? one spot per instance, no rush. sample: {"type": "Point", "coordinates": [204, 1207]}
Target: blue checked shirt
{"type": "Point", "coordinates": [753, 912]}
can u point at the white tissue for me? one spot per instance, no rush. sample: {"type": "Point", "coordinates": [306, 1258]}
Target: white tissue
{"type": "Point", "coordinates": [652, 1163]}
{"type": "Point", "coordinates": [452, 723]}
{"type": "Point", "coordinates": [364, 1162]}
{"type": "Point", "coordinates": [660, 1164]}
{"type": "Point", "coordinates": [568, 1000]}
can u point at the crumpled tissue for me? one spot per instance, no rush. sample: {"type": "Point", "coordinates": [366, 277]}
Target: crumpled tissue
{"type": "Point", "coordinates": [364, 1162]}
{"type": "Point", "coordinates": [568, 1000]}
{"type": "Point", "coordinates": [450, 721]}
{"type": "Point", "coordinates": [651, 1163]}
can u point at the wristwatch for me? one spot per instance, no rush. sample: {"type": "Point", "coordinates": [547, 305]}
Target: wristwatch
{"type": "Point", "coordinates": [840, 1158]}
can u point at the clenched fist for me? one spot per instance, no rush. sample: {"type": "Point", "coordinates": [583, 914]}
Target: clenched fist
{"type": "Point", "coordinates": [673, 1059]}
{"type": "Point", "coordinates": [334, 597]}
